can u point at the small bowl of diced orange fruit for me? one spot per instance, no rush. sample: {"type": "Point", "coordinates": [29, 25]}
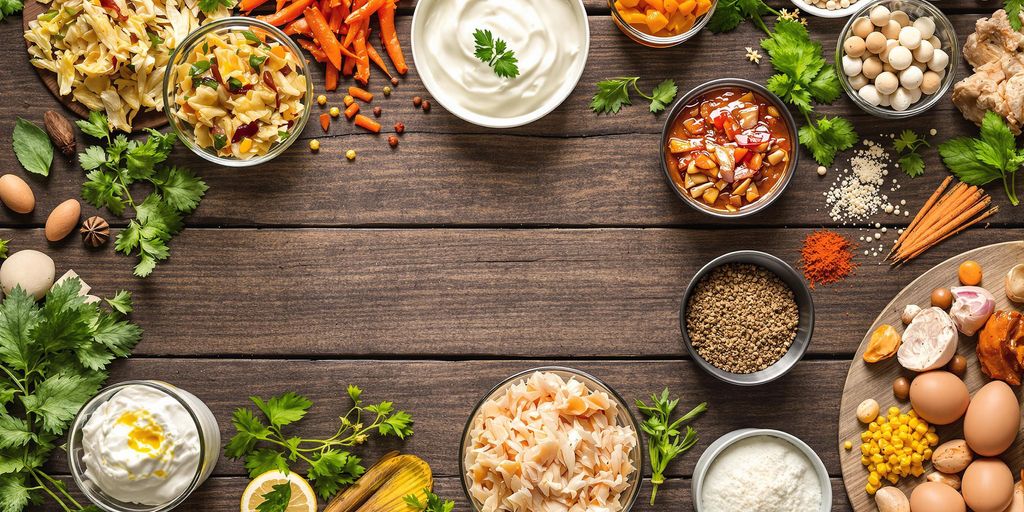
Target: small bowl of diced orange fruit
{"type": "Point", "coordinates": [661, 23]}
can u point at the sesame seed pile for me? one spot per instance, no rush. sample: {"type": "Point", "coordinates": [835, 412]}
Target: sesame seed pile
{"type": "Point", "coordinates": [857, 194]}
{"type": "Point", "coordinates": [742, 318]}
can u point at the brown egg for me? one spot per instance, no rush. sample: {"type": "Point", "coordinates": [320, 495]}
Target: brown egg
{"type": "Point", "coordinates": [62, 220]}
{"type": "Point", "coordinates": [936, 497]}
{"type": "Point", "coordinates": [942, 298]}
{"type": "Point", "coordinates": [958, 365]}
{"type": "Point", "coordinates": [939, 397]}
{"type": "Point", "coordinates": [992, 419]}
{"type": "Point", "coordinates": [901, 388]}
{"type": "Point", "coordinates": [987, 486]}
{"type": "Point", "coordinates": [16, 194]}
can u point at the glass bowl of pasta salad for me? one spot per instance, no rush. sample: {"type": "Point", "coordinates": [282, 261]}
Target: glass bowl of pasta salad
{"type": "Point", "coordinates": [237, 92]}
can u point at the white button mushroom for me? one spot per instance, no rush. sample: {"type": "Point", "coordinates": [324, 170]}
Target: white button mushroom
{"type": "Point", "coordinates": [910, 37]}
{"type": "Point", "coordinates": [930, 82]}
{"type": "Point", "coordinates": [920, 65]}
{"type": "Point", "coordinates": [900, 58]}
{"type": "Point", "coordinates": [843, 4]}
{"type": "Point", "coordinates": [935, 41]}
{"type": "Point", "coordinates": [911, 77]}
{"type": "Point", "coordinates": [869, 94]}
{"type": "Point", "coordinates": [880, 16]}
{"type": "Point", "coordinates": [871, 67]}
{"type": "Point", "coordinates": [924, 52]}
{"type": "Point", "coordinates": [886, 83]}
{"type": "Point", "coordinates": [901, 17]}
{"type": "Point", "coordinates": [940, 59]}
{"type": "Point", "coordinates": [915, 94]}
{"type": "Point", "coordinates": [900, 100]}
{"type": "Point", "coordinates": [883, 100]}
{"type": "Point", "coordinates": [859, 81]}
{"type": "Point", "coordinates": [851, 65]}
{"type": "Point", "coordinates": [891, 30]}
{"type": "Point", "coordinates": [831, 5]}
{"type": "Point", "coordinates": [32, 270]}
{"type": "Point", "coordinates": [926, 25]}
{"type": "Point", "coordinates": [875, 42]}
{"type": "Point", "coordinates": [862, 27]}
{"type": "Point", "coordinates": [889, 45]}
{"type": "Point", "coordinates": [854, 46]}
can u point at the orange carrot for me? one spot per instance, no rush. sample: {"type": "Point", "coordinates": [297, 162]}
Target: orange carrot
{"type": "Point", "coordinates": [349, 67]}
{"type": "Point", "coordinates": [362, 94]}
{"type": "Point", "coordinates": [365, 11]}
{"type": "Point", "coordinates": [389, 37]}
{"type": "Point", "coordinates": [248, 5]}
{"type": "Point", "coordinates": [363, 59]}
{"type": "Point", "coordinates": [336, 20]}
{"type": "Point", "coordinates": [323, 35]}
{"type": "Point", "coordinates": [313, 50]}
{"type": "Point", "coordinates": [367, 123]}
{"type": "Point", "coordinates": [331, 80]}
{"type": "Point", "coordinates": [376, 59]}
{"type": "Point", "coordinates": [352, 110]}
{"type": "Point", "coordinates": [287, 14]}
{"type": "Point", "coordinates": [280, 4]}
{"type": "Point", "coordinates": [325, 122]}
{"type": "Point", "coordinates": [298, 27]}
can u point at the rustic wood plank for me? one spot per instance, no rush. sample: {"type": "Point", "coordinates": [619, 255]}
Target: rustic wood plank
{"type": "Point", "coordinates": [456, 293]}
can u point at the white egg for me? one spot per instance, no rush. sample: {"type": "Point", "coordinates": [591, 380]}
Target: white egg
{"type": "Point", "coordinates": [910, 37]}
{"type": "Point", "coordinates": [869, 94]}
{"type": "Point", "coordinates": [924, 52]}
{"type": "Point", "coordinates": [871, 67]}
{"type": "Point", "coordinates": [830, 5]}
{"type": "Point", "coordinates": [880, 16]}
{"type": "Point", "coordinates": [886, 83]}
{"type": "Point", "coordinates": [911, 77]}
{"type": "Point", "coordinates": [926, 25]}
{"type": "Point", "coordinates": [859, 81]}
{"type": "Point", "coordinates": [930, 82]}
{"type": "Point", "coordinates": [900, 100]}
{"type": "Point", "coordinates": [851, 65]}
{"type": "Point", "coordinates": [940, 59]}
{"type": "Point", "coordinates": [900, 17]}
{"type": "Point", "coordinates": [854, 46]}
{"type": "Point", "coordinates": [900, 58]}
{"type": "Point", "coordinates": [32, 270]}
{"type": "Point", "coordinates": [862, 27]}
{"type": "Point", "coordinates": [844, 4]}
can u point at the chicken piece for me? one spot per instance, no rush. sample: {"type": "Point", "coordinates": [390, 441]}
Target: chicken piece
{"type": "Point", "coordinates": [979, 93]}
{"type": "Point", "coordinates": [996, 52]}
{"type": "Point", "coordinates": [993, 39]}
{"type": "Point", "coordinates": [999, 360]}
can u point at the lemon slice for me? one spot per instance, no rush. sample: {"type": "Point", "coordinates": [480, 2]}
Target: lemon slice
{"type": "Point", "coordinates": [303, 497]}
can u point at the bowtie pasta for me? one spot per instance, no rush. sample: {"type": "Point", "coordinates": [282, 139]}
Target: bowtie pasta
{"type": "Point", "coordinates": [111, 55]}
{"type": "Point", "coordinates": [240, 94]}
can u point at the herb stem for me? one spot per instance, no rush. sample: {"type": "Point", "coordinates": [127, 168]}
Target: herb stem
{"type": "Point", "coordinates": [35, 474]}
{"type": "Point", "coordinates": [16, 381]}
{"type": "Point", "coordinates": [638, 91]}
{"type": "Point", "coordinates": [60, 487]}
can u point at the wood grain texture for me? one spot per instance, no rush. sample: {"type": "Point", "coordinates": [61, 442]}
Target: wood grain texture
{"type": "Point", "coordinates": [875, 380]}
{"type": "Point", "coordinates": [455, 293]}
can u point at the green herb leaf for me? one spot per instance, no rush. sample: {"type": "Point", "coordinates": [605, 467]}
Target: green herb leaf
{"type": "Point", "coordinates": [277, 499]}
{"type": "Point", "coordinates": [333, 470]}
{"type": "Point", "coordinates": [662, 95]}
{"type": "Point", "coordinates": [199, 67]}
{"type": "Point", "coordinates": [3, 248]}
{"type": "Point", "coordinates": [433, 503]}
{"type": "Point", "coordinates": [122, 302]}
{"type": "Point", "coordinates": [665, 442]}
{"type": "Point", "coordinates": [96, 125]}
{"type": "Point", "coordinates": [32, 147]}
{"type": "Point", "coordinates": [9, 7]}
{"type": "Point", "coordinates": [154, 40]}
{"type": "Point", "coordinates": [58, 398]}
{"type": "Point", "coordinates": [906, 145]}
{"type": "Point", "coordinates": [209, 6]}
{"type": "Point", "coordinates": [263, 460]}
{"type": "Point", "coordinates": [827, 137]}
{"type": "Point", "coordinates": [205, 81]}
{"type": "Point", "coordinates": [908, 140]}
{"type": "Point", "coordinates": [730, 13]}
{"type": "Point", "coordinates": [14, 493]}
{"type": "Point", "coordinates": [495, 53]}
{"type": "Point", "coordinates": [612, 95]}
{"type": "Point", "coordinates": [959, 156]}
{"type": "Point", "coordinates": [912, 164]}
{"type": "Point", "coordinates": [179, 188]}
{"type": "Point", "coordinates": [251, 36]}
{"type": "Point", "coordinates": [1013, 10]}
{"type": "Point", "coordinates": [993, 156]}
{"type": "Point", "coordinates": [220, 140]}
{"type": "Point", "coordinates": [284, 409]}
{"type": "Point", "coordinates": [255, 61]}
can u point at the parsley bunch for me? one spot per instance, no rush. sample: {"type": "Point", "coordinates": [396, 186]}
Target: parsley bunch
{"type": "Point", "coordinates": [994, 156]}
{"type": "Point", "coordinates": [906, 146]}
{"type": "Point", "coordinates": [613, 93]}
{"type": "Point", "coordinates": [209, 6]}
{"type": "Point", "coordinates": [433, 503]}
{"type": "Point", "coordinates": [664, 442]}
{"type": "Point", "coordinates": [114, 169]}
{"type": "Point", "coordinates": [265, 447]}
{"type": "Point", "coordinates": [1013, 9]}
{"type": "Point", "coordinates": [494, 51]}
{"type": "Point", "coordinates": [9, 7]}
{"type": "Point", "coordinates": [53, 359]}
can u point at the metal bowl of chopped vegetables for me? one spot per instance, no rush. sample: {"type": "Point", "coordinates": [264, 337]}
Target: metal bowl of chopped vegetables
{"type": "Point", "coordinates": [735, 351]}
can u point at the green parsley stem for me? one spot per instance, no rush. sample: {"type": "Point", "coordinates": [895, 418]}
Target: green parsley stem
{"type": "Point", "coordinates": [641, 93]}
{"type": "Point", "coordinates": [1011, 188]}
{"type": "Point", "coordinates": [15, 380]}
{"type": "Point", "coordinates": [35, 474]}
{"type": "Point", "coordinates": [60, 487]}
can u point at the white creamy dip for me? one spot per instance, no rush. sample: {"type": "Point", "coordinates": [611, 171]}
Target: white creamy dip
{"type": "Point", "coordinates": [763, 474]}
{"type": "Point", "coordinates": [549, 37]}
{"type": "Point", "coordinates": [142, 445]}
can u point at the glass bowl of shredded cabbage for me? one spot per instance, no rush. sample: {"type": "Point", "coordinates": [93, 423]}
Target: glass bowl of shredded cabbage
{"type": "Point", "coordinates": [237, 92]}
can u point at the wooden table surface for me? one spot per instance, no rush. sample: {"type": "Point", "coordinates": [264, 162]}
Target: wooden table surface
{"type": "Point", "coordinates": [429, 273]}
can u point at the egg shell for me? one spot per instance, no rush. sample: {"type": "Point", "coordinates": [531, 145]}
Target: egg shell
{"type": "Point", "coordinates": [62, 220]}
{"type": "Point", "coordinates": [910, 37]}
{"type": "Point", "coordinates": [939, 397]}
{"type": "Point", "coordinates": [926, 26]}
{"type": "Point", "coordinates": [992, 419]}
{"type": "Point", "coordinates": [1017, 505]}
{"type": "Point", "coordinates": [880, 15]}
{"type": "Point", "coordinates": [854, 46]}
{"type": "Point", "coordinates": [871, 67]}
{"type": "Point", "coordinates": [32, 270]}
{"type": "Point", "coordinates": [862, 27]}
{"type": "Point", "coordinates": [936, 497]}
{"type": "Point", "coordinates": [16, 194]}
{"type": "Point", "coordinates": [900, 58]}
{"type": "Point", "coordinates": [892, 29]}
{"type": "Point", "coordinates": [900, 17]}
{"type": "Point", "coordinates": [875, 42]}
{"type": "Point", "coordinates": [987, 485]}
{"type": "Point", "coordinates": [886, 83]}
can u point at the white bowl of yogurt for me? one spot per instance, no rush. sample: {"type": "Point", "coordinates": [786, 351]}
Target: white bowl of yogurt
{"type": "Point", "coordinates": [142, 446]}
{"type": "Point", "coordinates": [550, 38]}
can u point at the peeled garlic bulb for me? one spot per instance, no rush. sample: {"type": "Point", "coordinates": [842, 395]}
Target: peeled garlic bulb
{"type": "Point", "coordinates": [1015, 284]}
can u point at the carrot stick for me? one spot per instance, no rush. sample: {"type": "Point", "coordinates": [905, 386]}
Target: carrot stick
{"type": "Point", "coordinates": [362, 94]}
{"type": "Point", "coordinates": [942, 209]}
{"type": "Point", "coordinates": [921, 213]}
{"type": "Point", "coordinates": [376, 59]}
{"type": "Point", "coordinates": [325, 122]}
{"type": "Point", "coordinates": [323, 35]}
{"type": "Point", "coordinates": [287, 14]}
{"type": "Point", "coordinates": [336, 20]}
{"type": "Point", "coordinates": [948, 209]}
{"type": "Point", "coordinates": [331, 80]}
{"type": "Point", "coordinates": [389, 37]}
{"type": "Point", "coordinates": [353, 28]}
{"type": "Point", "coordinates": [280, 5]}
{"type": "Point", "coordinates": [951, 233]}
{"type": "Point", "coordinates": [363, 59]}
{"type": "Point", "coordinates": [352, 110]}
{"type": "Point", "coordinates": [367, 123]}
{"type": "Point", "coordinates": [248, 5]}
{"type": "Point", "coordinates": [365, 11]}
{"type": "Point", "coordinates": [932, 236]}
{"type": "Point", "coordinates": [350, 66]}
{"type": "Point", "coordinates": [313, 50]}
{"type": "Point", "coordinates": [298, 27]}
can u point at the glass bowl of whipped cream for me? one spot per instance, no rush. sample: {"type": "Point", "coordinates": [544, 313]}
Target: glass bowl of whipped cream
{"type": "Point", "coordinates": [142, 446]}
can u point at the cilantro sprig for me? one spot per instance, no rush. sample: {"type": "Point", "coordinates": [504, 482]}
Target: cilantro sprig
{"type": "Point", "coordinates": [994, 156]}
{"type": "Point", "coordinates": [210, 6]}
{"type": "Point", "coordinates": [906, 145]}
{"type": "Point", "coordinates": [613, 93]}
{"type": "Point", "coordinates": [277, 499]}
{"type": "Point", "coordinates": [665, 441]}
{"type": "Point", "coordinates": [264, 445]}
{"type": "Point", "coordinates": [1013, 9]}
{"type": "Point", "coordinates": [111, 172]}
{"type": "Point", "coordinates": [495, 53]}
{"type": "Point", "coordinates": [433, 503]}
{"type": "Point", "coordinates": [53, 359]}
{"type": "Point", "coordinates": [9, 7]}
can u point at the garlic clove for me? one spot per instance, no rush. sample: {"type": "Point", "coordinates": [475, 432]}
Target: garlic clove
{"type": "Point", "coordinates": [1015, 284]}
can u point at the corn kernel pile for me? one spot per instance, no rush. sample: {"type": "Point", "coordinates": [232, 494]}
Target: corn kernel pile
{"type": "Point", "coordinates": [894, 446]}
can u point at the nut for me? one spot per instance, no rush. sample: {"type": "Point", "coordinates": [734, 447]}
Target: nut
{"type": "Point", "coordinates": [952, 456]}
{"type": "Point", "coordinates": [60, 131]}
{"type": "Point", "coordinates": [95, 231]}
{"type": "Point", "coordinates": [376, 111]}
{"type": "Point", "coordinates": [417, 101]}
{"type": "Point", "coordinates": [942, 478]}
{"type": "Point", "coordinates": [909, 312]}
{"type": "Point", "coordinates": [867, 411]}
{"type": "Point", "coordinates": [393, 141]}
{"type": "Point", "coordinates": [891, 499]}
{"type": "Point", "coordinates": [399, 128]}
{"type": "Point", "coordinates": [394, 81]}
{"type": "Point", "coordinates": [426, 105]}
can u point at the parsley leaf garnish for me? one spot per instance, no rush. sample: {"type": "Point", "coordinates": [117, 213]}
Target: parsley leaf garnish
{"type": "Point", "coordinates": [730, 13]}
{"type": "Point", "coordinates": [906, 145]}
{"type": "Point", "coordinates": [7, 8]}
{"type": "Point", "coordinates": [1013, 9]}
{"type": "Point", "coordinates": [613, 93]}
{"type": "Point", "coordinates": [433, 503]}
{"type": "Point", "coordinates": [827, 137]}
{"type": "Point", "coordinates": [277, 499]}
{"type": "Point", "coordinates": [33, 148]}
{"type": "Point", "coordinates": [263, 445]}
{"type": "Point", "coordinates": [495, 53]}
{"type": "Point", "coordinates": [3, 248]}
{"type": "Point", "coordinates": [978, 161]}
{"type": "Point", "coordinates": [122, 302]}
{"type": "Point", "coordinates": [209, 6]}
{"type": "Point", "coordinates": [664, 439]}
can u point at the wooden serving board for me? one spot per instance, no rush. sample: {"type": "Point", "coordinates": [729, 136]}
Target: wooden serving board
{"type": "Point", "coordinates": [144, 119]}
{"type": "Point", "coordinates": [875, 380]}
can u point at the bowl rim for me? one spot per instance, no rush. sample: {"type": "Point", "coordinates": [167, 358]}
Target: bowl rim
{"type": "Point", "coordinates": [489, 121]}
{"type": "Point", "coordinates": [923, 105]}
{"type": "Point", "coordinates": [520, 375]}
{"type": "Point", "coordinates": [191, 39]}
{"type": "Point", "coordinates": [715, 449]}
{"type": "Point", "coordinates": [780, 186]}
{"type": "Point", "coordinates": [661, 41]}
{"type": "Point", "coordinates": [825, 13]}
{"type": "Point", "coordinates": [805, 327]}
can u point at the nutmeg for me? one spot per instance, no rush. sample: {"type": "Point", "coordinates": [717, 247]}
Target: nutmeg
{"type": "Point", "coordinates": [61, 132]}
{"type": "Point", "coordinates": [95, 231]}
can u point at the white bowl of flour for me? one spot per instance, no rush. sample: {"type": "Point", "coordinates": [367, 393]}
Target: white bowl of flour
{"type": "Point", "coordinates": [763, 470]}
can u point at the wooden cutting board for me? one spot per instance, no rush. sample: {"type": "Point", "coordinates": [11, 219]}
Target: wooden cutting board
{"type": "Point", "coordinates": [144, 119]}
{"type": "Point", "coordinates": [865, 380]}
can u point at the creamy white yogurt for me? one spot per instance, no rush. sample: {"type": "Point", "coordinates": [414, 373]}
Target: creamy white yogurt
{"type": "Point", "coordinates": [142, 446]}
{"type": "Point", "coordinates": [550, 39]}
